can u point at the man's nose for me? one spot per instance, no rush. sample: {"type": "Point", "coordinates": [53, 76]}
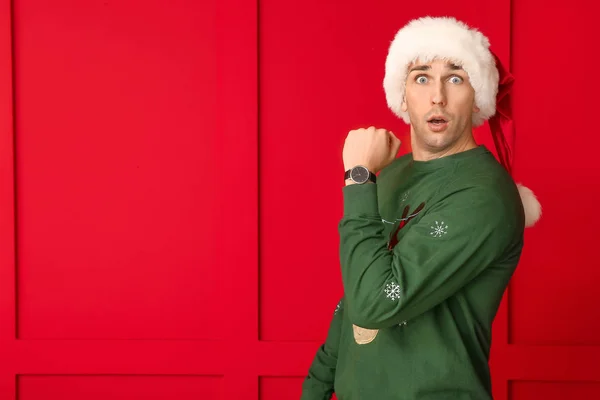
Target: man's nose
{"type": "Point", "coordinates": [438, 95]}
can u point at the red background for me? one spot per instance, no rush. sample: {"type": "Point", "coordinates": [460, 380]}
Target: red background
{"type": "Point", "coordinates": [170, 188]}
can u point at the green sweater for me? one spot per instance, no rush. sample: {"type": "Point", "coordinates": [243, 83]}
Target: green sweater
{"type": "Point", "coordinates": [426, 254]}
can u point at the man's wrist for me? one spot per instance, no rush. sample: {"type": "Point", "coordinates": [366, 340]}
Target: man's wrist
{"type": "Point", "coordinates": [360, 174]}
{"type": "Point", "coordinates": [351, 182]}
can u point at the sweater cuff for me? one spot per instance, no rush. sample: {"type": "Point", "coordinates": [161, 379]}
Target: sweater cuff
{"type": "Point", "coordinates": [361, 199]}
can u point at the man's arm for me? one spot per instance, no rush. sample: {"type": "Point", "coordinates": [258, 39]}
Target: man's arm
{"type": "Point", "coordinates": [319, 383]}
{"type": "Point", "coordinates": [451, 244]}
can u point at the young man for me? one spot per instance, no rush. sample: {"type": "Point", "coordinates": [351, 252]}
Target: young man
{"type": "Point", "coordinates": [428, 247]}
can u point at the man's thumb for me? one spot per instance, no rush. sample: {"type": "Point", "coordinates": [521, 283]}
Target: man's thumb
{"type": "Point", "coordinates": [395, 142]}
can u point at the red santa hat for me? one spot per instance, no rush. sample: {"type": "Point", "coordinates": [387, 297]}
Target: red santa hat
{"type": "Point", "coordinates": [430, 38]}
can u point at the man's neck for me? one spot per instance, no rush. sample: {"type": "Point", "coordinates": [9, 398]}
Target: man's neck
{"type": "Point", "coordinates": [420, 153]}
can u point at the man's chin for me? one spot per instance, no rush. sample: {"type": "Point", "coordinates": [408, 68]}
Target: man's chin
{"type": "Point", "coordinates": [434, 140]}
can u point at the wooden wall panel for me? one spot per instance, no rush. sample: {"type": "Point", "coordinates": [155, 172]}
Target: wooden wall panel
{"type": "Point", "coordinates": [114, 121]}
{"type": "Point", "coordinates": [554, 297]}
{"type": "Point", "coordinates": [119, 387]}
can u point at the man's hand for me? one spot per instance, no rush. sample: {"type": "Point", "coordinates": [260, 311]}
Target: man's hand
{"type": "Point", "coordinates": [370, 147]}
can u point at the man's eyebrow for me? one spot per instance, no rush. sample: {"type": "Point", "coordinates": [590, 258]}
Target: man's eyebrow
{"type": "Point", "coordinates": [420, 68]}
{"type": "Point", "coordinates": [452, 67]}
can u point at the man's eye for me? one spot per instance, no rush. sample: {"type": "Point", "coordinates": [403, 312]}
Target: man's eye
{"type": "Point", "coordinates": [421, 79]}
{"type": "Point", "coordinates": [456, 79]}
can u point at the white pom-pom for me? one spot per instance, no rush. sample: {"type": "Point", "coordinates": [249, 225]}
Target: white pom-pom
{"type": "Point", "coordinates": [531, 205]}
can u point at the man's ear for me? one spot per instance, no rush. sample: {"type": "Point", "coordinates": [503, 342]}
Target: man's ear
{"type": "Point", "coordinates": [475, 108]}
{"type": "Point", "coordinates": [404, 105]}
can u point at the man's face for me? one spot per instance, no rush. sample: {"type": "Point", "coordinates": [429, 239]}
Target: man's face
{"type": "Point", "coordinates": [440, 102]}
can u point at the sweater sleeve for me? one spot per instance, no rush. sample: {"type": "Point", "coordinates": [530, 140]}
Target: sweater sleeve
{"type": "Point", "coordinates": [451, 243]}
{"type": "Point", "coordinates": [319, 383]}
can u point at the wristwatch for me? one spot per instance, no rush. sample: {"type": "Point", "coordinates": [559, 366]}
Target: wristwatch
{"type": "Point", "coordinates": [360, 175]}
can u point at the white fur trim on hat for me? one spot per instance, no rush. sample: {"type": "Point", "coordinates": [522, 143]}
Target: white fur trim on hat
{"type": "Point", "coordinates": [430, 38]}
{"type": "Point", "coordinates": [531, 205]}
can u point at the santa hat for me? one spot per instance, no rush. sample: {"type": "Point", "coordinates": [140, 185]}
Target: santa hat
{"type": "Point", "coordinates": [430, 38]}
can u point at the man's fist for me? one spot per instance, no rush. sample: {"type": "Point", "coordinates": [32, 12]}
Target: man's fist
{"type": "Point", "coordinates": [370, 147]}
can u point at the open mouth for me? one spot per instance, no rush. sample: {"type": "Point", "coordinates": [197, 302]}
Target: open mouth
{"type": "Point", "coordinates": [437, 120]}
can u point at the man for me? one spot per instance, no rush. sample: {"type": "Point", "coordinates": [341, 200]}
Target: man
{"type": "Point", "coordinates": [428, 246]}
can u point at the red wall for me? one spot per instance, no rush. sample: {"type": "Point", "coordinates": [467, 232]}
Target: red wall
{"type": "Point", "coordinates": [170, 188]}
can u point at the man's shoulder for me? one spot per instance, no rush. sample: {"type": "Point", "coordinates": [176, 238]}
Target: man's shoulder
{"type": "Point", "coordinates": [486, 177]}
{"type": "Point", "coordinates": [486, 190]}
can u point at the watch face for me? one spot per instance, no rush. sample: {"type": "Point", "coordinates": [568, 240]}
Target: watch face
{"type": "Point", "coordinates": [359, 174]}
